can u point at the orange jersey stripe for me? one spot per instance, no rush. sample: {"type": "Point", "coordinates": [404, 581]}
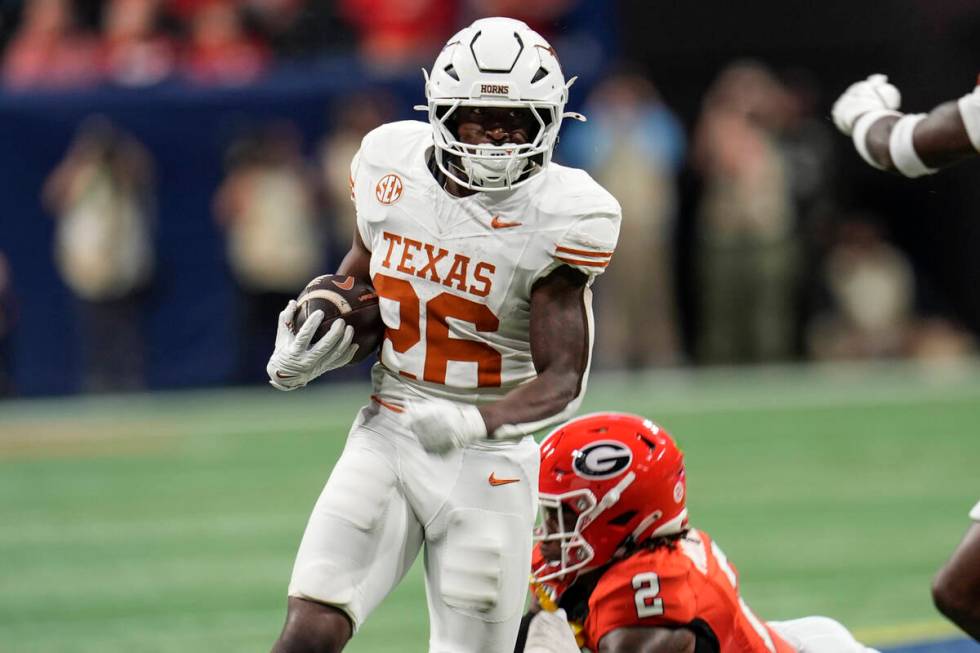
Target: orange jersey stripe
{"type": "Point", "coordinates": [390, 406]}
{"type": "Point", "coordinates": [583, 252]}
{"type": "Point", "coordinates": [575, 261]}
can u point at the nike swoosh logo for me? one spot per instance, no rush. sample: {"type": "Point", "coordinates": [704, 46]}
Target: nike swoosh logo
{"type": "Point", "coordinates": [280, 375]}
{"type": "Point", "coordinates": [497, 223]}
{"type": "Point", "coordinates": [494, 481]}
{"type": "Point", "coordinates": [347, 284]}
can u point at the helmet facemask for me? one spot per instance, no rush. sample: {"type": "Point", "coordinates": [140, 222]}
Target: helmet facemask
{"type": "Point", "coordinates": [577, 553]}
{"type": "Point", "coordinates": [555, 511]}
{"type": "Point", "coordinates": [488, 166]}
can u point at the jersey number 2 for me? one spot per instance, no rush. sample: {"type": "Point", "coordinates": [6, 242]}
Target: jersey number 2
{"type": "Point", "coordinates": [647, 586]}
{"type": "Point", "coordinates": [439, 347]}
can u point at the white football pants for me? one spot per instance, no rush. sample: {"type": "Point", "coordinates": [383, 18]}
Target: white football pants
{"type": "Point", "coordinates": [474, 509]}
{"type": "Point", "coordinates": [819, 635]}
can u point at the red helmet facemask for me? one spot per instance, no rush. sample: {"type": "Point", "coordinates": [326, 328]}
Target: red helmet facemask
{"type": "Point", "coordinates": [608, 481]}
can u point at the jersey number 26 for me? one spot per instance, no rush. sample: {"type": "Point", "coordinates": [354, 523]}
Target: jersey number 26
{"type": "Point", "coordinates": [439, 347]}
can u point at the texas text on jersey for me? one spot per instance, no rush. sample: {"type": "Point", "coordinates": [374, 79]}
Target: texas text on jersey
{"type": "Point", "coordinates": [455, 274]}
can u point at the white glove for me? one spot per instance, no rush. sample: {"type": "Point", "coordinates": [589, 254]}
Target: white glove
{"type": "Point", "coordinates": [442, 425]}
{"type": "Point", "coordinates": [871, 94]}
{"type": "Point", "coordinates": [549, 632]}
{"type": "Point", "coordinates": [294, 363]}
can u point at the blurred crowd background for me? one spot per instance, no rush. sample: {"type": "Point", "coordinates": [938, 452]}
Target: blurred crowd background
{"type": "Point", "coordinates": [173, 171]}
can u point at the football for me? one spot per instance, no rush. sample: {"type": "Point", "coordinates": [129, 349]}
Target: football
{"type": "Point", "coordinates": [340, 296]}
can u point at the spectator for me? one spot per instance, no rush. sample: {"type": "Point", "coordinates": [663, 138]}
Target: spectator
{"type": "Point", "coordinates": [294, 28]}
{"type": "Point", "coordinates": [808, 147]}
{"type": "Point", "coordinates": [357, 116]}
{"type": "Point", "coordinates": [48, 51]}
{"type": "Point", "coordinates": [871, 313]}
{"type": "Point", "coordinates": [871, 288]}
{"type": "Point", "coordinates": [634, 148]}
{"type": "Point", "coordinates": [8, 317]}
{"type": "Point", "coordinates": [746, 246]}
{"type": "Point", "coordinates": [134, 51]}
{"type": "Point", "coordinates": [266, 205]}
{"type": "Point", "coordinates": [399, 33]}
{"type": "Point", "coordinates": [102, 196]}
{"type": "Point", "coordinates": [220, 52]}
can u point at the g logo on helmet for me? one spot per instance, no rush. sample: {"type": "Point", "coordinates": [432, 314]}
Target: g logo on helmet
{"type": "Point", "coordinates": [602, 459]}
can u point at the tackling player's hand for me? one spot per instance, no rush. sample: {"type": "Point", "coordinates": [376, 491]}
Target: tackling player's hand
{"type": "Point", "coordinates": [442, 425]}
{"type": "Point", "coordinates": [294, 363]}
{"type": "Point", "coordinates": [871, 94]}
{"type": "Point", "coordinates": [550, 632]}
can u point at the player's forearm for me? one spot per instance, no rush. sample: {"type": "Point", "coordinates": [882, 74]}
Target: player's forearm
{"type": "Point", "coordinates": [357, 262]}
{"type": "Point", "coordinates": [548, 399]}
{"type": "Point", "coordinates": [938, 140]}
{"type": "Point", "coordinates": [912, 144]}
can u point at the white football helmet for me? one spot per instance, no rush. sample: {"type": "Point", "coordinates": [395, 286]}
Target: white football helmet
{"type": "Point", "coordinates": [496, 62]}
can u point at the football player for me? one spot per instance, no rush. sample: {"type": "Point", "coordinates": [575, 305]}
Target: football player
{"type": "Point", "coordinates": [956, 589]}
{"type": "Point", "coordinates": [617, 557]}
{"type": "Point", "coordinates": [482, 252]}
{"type": "Point", "coordinates": [913, 144]}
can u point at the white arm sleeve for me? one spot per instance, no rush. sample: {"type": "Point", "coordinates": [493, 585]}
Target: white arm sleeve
{"type": "Point", "coordinates": [516, 431]}
{"type": "Point", "coordinates": [970, 112]}
{"type": "Point", "coordinates": [587, 245]}
{"type": "Point", "coordinates": [975, 513]}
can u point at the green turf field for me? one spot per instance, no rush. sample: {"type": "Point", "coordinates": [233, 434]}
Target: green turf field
{"type": "Point", "coordinates": [169, 522]}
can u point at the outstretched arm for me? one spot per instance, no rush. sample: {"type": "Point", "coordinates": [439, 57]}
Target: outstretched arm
{"type": "Point", "coordinates": [911, 144]}
{"type": "Point", "coordinates": [939, 138]}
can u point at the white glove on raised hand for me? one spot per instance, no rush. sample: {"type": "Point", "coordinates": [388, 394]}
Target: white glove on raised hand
{"type": "Point", "coordinates": [442, 425]}
{"type": "Point", "coordinates": [871, 94]}
{"type": "Point", "coordinates": [549, 632]}
{"type": "Point", "coordinates": [294, 363]}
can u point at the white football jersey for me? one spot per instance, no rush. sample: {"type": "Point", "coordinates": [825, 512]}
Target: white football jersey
{"type": "Point", "coordinates": [975, 513]}
{"type": "Point", "coordinates": [454, 275]}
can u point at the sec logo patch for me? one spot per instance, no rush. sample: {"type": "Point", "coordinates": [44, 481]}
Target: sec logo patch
{"type": "Point", "coordinates": [389, 189]}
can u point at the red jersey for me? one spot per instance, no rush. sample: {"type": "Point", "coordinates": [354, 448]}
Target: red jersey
{"type": "Point", "coordinates": [691, 584]}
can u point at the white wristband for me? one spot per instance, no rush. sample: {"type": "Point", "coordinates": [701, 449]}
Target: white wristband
{"type": "Point", "coordinates": [902, 149]}
{"type": "Point", "coordinates": [860, 133]}
{"type": "Point", "coordinates": [969, 106]}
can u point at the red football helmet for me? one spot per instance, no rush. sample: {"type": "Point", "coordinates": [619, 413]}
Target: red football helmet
{"type": "Point", "coordinates": [620, 479]}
